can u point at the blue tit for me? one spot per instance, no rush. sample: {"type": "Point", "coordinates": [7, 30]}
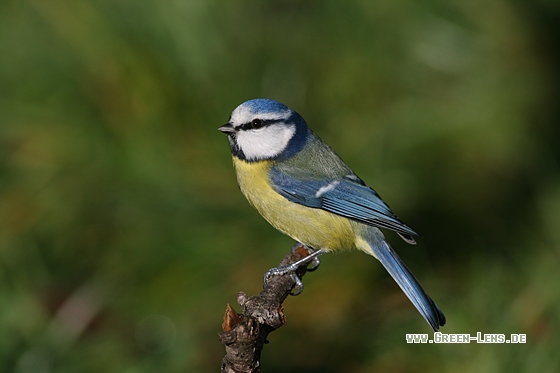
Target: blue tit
{"type": "Point", "coordinates": [304, 189]}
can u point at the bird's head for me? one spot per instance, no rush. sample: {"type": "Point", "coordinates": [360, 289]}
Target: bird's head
{"type": "Point", "coordinates": [263, 129]}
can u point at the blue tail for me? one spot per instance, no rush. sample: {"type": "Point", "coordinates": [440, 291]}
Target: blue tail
{"type": "Point", "coordinates": [408, 283]}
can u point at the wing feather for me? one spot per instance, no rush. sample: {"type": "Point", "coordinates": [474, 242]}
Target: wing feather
{"type": "Point", "coordinates": [347, 196]}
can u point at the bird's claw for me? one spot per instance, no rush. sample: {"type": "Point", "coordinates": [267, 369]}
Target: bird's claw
{"type": "Point", "coordinates": [298, 287]}
{"type": "Point", "coordinates": [279, 271]}
{"type": "Point", "coordinates": [314, 264]}
{"type": "Point", "coordinates": [312, 259]}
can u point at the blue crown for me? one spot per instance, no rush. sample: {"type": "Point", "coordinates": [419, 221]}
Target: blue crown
{"type": "Point", "coordinates": [265, 105]}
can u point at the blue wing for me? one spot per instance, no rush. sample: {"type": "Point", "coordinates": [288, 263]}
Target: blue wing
{"type": "Point", "coordinates": [347, 196]}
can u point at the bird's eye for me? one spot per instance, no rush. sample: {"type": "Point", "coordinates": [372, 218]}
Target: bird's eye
{"type": "Point", "coordinates": [256, 123]}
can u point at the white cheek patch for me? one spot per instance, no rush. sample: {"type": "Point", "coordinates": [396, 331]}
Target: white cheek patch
{"type": "Point", "coordinates": [244, 114]}
{"type": "Point", "coordinates": [265, 143]}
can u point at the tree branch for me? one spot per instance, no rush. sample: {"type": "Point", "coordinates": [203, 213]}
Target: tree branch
{"type": "Point", "coordinates": [245, 334]}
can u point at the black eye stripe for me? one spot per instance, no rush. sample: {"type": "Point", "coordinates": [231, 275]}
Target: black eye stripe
{"type": "Point", "coordinates": [259, 123]}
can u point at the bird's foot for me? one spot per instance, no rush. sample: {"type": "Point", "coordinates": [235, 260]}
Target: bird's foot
{"type": "Point", "coordinates": [312, 258]}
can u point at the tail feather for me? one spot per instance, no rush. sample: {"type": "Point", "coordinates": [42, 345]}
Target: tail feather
{"type": "Point", "coordinates": [408, 283]}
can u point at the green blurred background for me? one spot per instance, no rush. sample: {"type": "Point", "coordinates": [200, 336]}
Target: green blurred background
{"type": "Point", "coordinates": [123, 234]}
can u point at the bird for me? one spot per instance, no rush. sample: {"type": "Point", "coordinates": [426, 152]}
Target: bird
{"type": "Point", "coordinates": [300, 185]}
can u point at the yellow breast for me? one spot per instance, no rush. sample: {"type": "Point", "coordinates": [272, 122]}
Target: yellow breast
{"type": "Point", "coordinates": [310, 226]}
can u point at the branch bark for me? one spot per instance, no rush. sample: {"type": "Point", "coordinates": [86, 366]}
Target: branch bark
{"type": "Point", "coordinates": [244, 335]}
